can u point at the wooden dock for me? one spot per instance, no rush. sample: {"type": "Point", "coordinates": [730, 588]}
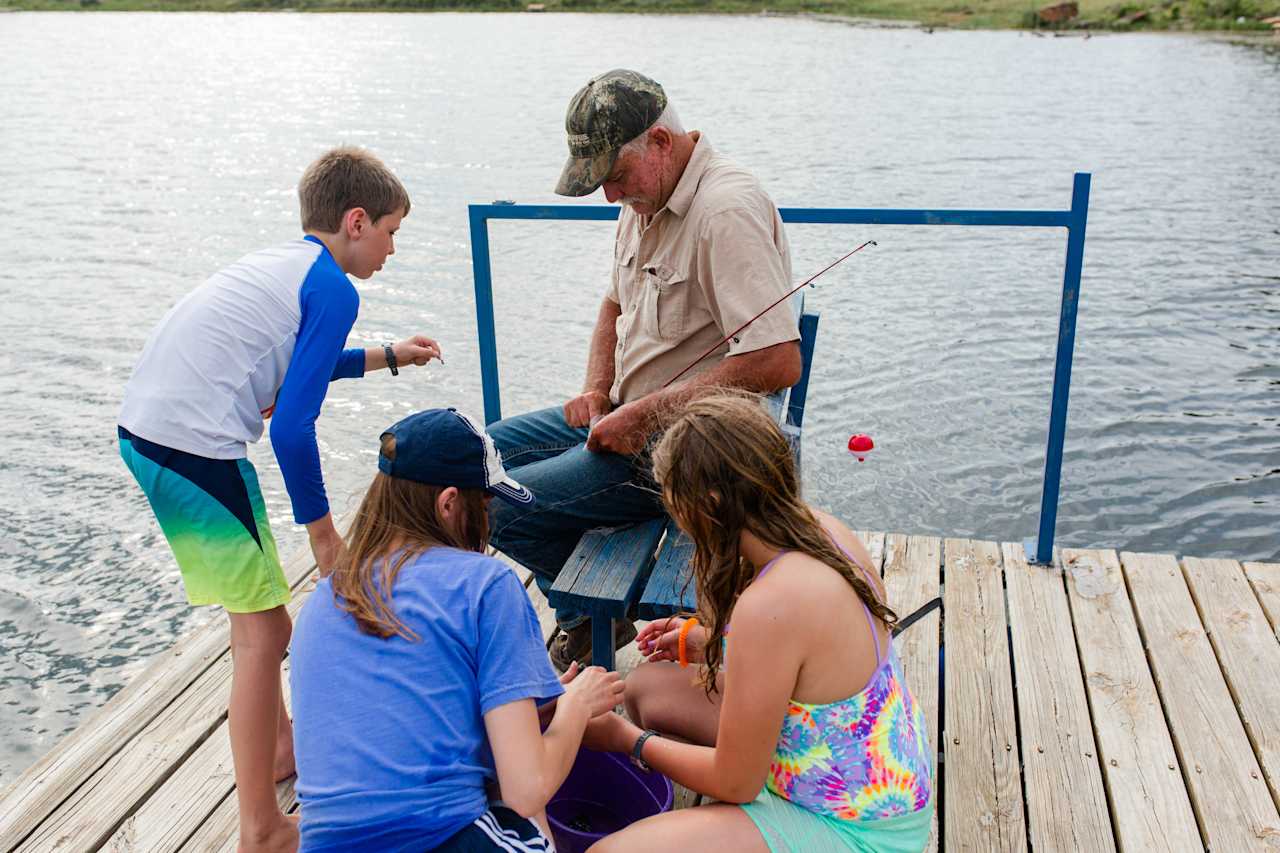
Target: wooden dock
{"type": "Point", "coordinates": [1124, 702]}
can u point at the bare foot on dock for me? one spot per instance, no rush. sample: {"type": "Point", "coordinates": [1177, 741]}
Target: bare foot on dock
{"type": "Point", "coordinates": [281, 838]}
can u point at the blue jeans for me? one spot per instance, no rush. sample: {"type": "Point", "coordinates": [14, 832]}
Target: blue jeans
{"type": "Point", "coordinates": [574, 490]}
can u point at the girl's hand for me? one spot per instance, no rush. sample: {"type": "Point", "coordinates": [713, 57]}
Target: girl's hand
{"type": "Point", "coordinates": [660, 640]}
{"type": "Point", "coordinates": [610, 733]}
{"type": "Point", "coordinates": [598, 689]}
{"type": "Point", "coordinates": [417, 350]}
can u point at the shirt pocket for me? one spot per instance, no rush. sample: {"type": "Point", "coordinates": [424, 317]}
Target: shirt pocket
{"type": "Point", "coordinates": [666, 301]}
{"type": "Point", "coordinates": [624, 273]}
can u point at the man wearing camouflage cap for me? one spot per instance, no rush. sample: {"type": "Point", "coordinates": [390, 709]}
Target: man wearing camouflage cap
{"type": "Point", "coordinates": [699, 250]}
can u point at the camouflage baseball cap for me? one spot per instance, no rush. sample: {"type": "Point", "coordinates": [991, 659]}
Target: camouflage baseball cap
{"type": "Point", "coordinates": [605, 115]}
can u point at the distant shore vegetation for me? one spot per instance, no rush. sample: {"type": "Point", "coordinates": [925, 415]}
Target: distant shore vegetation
{"type": "Point", "coordinates": [1039, 15]}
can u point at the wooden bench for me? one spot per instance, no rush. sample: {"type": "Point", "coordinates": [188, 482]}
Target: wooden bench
{"type": "Point", "coordinates": [641, 570]}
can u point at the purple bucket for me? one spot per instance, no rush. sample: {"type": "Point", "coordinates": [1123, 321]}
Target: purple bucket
{"type": "Point", "coordinates": [604, 793]}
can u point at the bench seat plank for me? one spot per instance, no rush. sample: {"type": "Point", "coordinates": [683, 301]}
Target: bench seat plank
{"type": "Point", "coordinates": [608, 568]}
{"type": "Point", "coordinates": [670, 587]}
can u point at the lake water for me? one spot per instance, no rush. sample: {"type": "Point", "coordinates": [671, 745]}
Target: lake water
{"type": "Point", "coordinates": [142, 152]}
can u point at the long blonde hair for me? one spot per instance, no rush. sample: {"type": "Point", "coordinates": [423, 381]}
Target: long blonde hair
{"type": "Point", "coordinates": [398, 515]}
{"type": "Point", "coordinates": [724, 467]}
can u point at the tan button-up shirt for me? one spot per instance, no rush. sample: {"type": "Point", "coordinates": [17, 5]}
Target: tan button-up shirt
{"type": "Point", "coordinates": [687, 276]}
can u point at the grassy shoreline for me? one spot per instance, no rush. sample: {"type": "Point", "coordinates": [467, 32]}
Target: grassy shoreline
{"type": "Point", "coordinates": [1235, 16]}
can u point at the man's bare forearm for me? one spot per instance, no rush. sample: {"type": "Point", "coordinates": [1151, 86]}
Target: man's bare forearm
{"type": "Point", "coordinates": [604, 340]}
{"type": "Point", "coordinates": [762, 371]}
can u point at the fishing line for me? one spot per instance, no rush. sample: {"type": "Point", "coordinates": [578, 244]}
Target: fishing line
{"type": "Point", "coordinates": [732, 335]}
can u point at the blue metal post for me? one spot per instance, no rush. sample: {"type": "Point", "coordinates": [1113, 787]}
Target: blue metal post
{"type": "Point", "coordinates": [1062, 370]}
{"type": "Point", "coordinates": [484, 312]}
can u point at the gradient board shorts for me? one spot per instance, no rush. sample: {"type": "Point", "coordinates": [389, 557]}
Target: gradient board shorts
{"type": "Point", "coordinates": [212, 513]}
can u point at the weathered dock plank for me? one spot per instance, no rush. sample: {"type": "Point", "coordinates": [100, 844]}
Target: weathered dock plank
{"type": "Point", "coordinates": [186, 800]}
{"type": "Point", "coordinates": [34, 795]}
{"type": "Point", "coordinates": [983, 796]}
{"type": "Point", "coordinates": [1058, 749]}
{"type": "Point", "coordinates": [875, 545]}
{"type": "Point", "coordinates": [1175, 751]}
{"type": "Point", "coordinates": [1230, 799]}
{"type": "Point", "coordinates": [90, 808]}
{"type": "Point", "coordinates": [1265, 580]}
{"type": "Point", "coordinates": [220, 832]}
{"type": "Point", "coordinates": [1247, 653]}
{"type": "Point", "coordinates": [911, 578]}
{"type": "Point", "coordinates": [1149, 803]}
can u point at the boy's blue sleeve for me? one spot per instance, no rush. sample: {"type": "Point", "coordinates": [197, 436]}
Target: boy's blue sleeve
{"type": "Point", "coordinates": [329, 305]}
{"type": "Point", "coordinates": [350, 364]}
{"type": "Point", "coordinates": [511, 660]}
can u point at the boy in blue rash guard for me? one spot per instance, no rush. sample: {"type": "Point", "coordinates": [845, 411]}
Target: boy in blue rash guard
{"type": "Point", "coordinates": [261, 339]}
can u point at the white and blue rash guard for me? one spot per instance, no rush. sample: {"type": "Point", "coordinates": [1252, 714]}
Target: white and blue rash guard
{"type": "Point", "coordinates": [259, 339]}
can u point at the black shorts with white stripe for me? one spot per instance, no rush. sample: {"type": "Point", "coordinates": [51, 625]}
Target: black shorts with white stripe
{"type": "Point", "coordinates": [498, 829]}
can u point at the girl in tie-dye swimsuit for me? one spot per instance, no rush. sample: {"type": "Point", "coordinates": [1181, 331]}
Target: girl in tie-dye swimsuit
{"type": "Point", "coordinates": [860, 764]}
{"type": "Point", "coordinates": [851, 774]}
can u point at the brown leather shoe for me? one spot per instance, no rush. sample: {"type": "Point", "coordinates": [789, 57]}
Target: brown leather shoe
{"type": "Point", "coordinates": [575, 644]}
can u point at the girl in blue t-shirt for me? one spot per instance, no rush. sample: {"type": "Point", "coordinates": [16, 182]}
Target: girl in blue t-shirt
{"type": "Point", "coordinates": [417, 666]}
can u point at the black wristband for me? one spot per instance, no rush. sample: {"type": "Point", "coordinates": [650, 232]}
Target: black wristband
{"type": "Point", "coordinates": [391, 359]}
{"type": "Point", "coordinates": [636, 750]}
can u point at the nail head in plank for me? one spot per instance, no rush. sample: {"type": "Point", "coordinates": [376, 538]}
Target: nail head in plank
{"type": "Point", "coordinates": [1150, 806]}
{"type": "Point", "coordinates": [1231, 802]}
{"type": "Point", "coordinates": [1058, 751]}
{"type": "Point", "coordinates": [983, 797]}
{"type": "Point", "coordinates": [1247, 652]}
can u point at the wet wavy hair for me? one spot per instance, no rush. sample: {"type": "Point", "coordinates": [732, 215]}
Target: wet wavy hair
{"type": "Point", "coordinates": [398, 517]}
{"type": "Point", "coordinates": [724, 466]}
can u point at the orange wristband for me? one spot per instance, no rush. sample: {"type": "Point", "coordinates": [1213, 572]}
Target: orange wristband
{"type": "Point", "coordinates": [681, 644]}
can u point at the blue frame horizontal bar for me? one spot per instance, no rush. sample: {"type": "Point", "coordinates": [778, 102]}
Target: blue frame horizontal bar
{"type": "Point", "coordinates": [804, 215]}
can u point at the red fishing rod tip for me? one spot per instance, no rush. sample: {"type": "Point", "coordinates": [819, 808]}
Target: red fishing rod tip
{"type": "Point", "coordinates": [860, 445]}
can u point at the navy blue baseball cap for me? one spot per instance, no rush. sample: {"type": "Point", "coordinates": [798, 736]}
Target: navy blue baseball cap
{"type": "Point", "coordinates": [443, 447]}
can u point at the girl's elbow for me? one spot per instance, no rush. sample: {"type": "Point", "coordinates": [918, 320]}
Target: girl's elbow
{"type": "Point", "coordinates": [527, 807]}
{"type": "Point", "coordinates": [741, 789]}
{"type": "Point", "coordinates": [738, 795]}
{"type": "Point", "coordinates": [527, 799]}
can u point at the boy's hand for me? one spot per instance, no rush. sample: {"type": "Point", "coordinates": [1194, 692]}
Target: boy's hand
{"type": "Point", "coordinates": [417, 350]}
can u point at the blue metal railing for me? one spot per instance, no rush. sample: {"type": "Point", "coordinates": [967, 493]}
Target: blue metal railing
{"type": "Point", "coordinates": [1040, 549]}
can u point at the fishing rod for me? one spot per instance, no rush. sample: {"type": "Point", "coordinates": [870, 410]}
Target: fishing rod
{"type": "Point", "coordinates": [791, 292]}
